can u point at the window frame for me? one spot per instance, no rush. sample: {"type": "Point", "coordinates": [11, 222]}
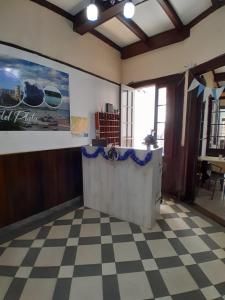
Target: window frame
{"type": "Point", "coordinates": [157, 105]}
{"type": "Point", "coordinates": [128, 140]}
{"type": "Point", "coordinates": [211, 151]}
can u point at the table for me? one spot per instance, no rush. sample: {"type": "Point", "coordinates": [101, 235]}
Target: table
{"type": "Point", "coordinates": [220, 162]}
{"type": "Point", "coordinates": [123, 188]}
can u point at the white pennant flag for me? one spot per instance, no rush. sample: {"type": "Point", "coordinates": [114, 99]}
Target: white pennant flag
{"type": "Point", "coordinates": [207, 93]}
{"type": "Point", "coordinates": [193, 85]}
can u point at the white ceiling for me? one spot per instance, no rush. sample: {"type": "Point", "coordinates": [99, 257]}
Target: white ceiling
{"type": "Point", "coordinates": [189, 9]}
{"type": "Point", "coordinates": [151, 18]}
{"type": "Point", "coordinates": [117, 32]}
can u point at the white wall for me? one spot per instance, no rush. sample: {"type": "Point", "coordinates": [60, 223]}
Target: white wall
{"type": "Point", "coordinates": [87, 93]}
{"type": "Point", "coordinates": [206, 42]}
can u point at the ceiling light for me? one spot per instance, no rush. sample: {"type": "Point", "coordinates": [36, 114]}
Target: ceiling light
{"type": "Point", "coordinates": [92, 12]}
{"type": "Point", "coordinates": [128, 10]}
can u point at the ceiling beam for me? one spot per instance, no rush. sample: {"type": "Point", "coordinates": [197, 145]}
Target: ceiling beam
{"type": "Point", "coordinates": [157, 41]}
{"type": "Point", "coordinates": [219, 77]}
{"type": "Point", "coordinates": [171, 13]}
{"type": "Point", "coordinates": [106, 12]}
{"type": "Point", "coordinates": [218, 3]}
{"type": "Point", "coordinates": [129, 23]}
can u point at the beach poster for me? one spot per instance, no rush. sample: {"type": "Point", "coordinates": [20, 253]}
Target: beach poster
{"type": "Point", "coordinates": [32, 96]}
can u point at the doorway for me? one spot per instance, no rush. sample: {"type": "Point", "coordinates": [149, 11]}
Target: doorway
{"type": "Point", "coordinates": [143, 111]}
{"type": "Point", "coordinates": [144, 115]}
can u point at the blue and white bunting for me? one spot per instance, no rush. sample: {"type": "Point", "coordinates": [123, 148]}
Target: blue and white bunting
{"type": "Point", "coordinates": [207, 91]}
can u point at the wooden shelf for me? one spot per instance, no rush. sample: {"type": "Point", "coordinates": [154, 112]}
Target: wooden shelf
{"type": "Point", "coordinates": [107, 127]}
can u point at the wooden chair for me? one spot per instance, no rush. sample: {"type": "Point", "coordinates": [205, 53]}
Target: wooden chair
{"type": "Point", "coordinates": [216, 175]}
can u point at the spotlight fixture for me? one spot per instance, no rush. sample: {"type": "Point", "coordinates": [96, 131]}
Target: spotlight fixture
{"type": "Point", "coordinates": [92, 9]}
{"type": "Point", "coordinates": [92, 12]}
{"type": "Point", "coordinates": [129, 10]}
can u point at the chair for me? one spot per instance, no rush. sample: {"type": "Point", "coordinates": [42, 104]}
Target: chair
{"type": "Point", "coordinates": [216, 175]}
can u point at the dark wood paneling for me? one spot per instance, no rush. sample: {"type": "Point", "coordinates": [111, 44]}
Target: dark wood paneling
{"type": "Point", "coordinates": [35, 181]}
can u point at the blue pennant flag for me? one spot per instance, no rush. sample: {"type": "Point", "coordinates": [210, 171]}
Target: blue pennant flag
{"type": "Point", "coordinates": [201, 88]}
{"type": "Point", "coordinates": [214, 94]}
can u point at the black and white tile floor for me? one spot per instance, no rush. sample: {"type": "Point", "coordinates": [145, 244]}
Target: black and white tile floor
{"type": "Point", "coordinates": [89, 255]}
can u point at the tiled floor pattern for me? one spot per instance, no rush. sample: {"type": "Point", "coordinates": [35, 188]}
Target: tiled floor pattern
{"type": "Point", "coordinates": [89, 255]}
{"type": "Point", "coordinates": [216, 206]}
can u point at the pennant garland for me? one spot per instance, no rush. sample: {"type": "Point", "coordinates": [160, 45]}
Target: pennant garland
{"type": "Point", "coordinates": [207, 91]}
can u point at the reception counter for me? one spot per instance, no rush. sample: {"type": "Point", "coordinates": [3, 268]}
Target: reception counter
{"type": "Point", "coordinates": [123, 189]}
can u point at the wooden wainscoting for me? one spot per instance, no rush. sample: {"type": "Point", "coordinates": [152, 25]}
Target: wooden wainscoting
{"type": "Point", "coordinates": [35, 181]}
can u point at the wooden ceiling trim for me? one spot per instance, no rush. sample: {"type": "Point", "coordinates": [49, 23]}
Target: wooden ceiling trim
{"type": "Point", "coordinates": [160, 40]}
{"type": "Point", "coordinates": [129, 23]}
{"type": "Point", "coordinates": [219, 77]}
{"type": "Point", "coordinates": [54, 8]}
{"type": "Point", "coordinates": [106, 12]}
{"type": "Point", "coordinates": [218, 3]}
{"type": "Point", "coordinates": [157, 81]}
{"type": "Point", "coordinates": [171, 13]}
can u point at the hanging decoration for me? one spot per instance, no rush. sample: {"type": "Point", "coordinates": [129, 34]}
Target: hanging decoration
{"type": "Point", "coordinates": [119, 157]}
{"type": "Point", "coordinates": [207, 91]}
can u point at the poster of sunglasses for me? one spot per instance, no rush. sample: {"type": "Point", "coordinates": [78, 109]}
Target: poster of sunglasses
{"type": "Point", "coordinates": [32, 96]}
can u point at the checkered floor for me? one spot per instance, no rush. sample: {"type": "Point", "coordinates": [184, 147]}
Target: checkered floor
{"type": "Point", "coordinates": [89, 255]}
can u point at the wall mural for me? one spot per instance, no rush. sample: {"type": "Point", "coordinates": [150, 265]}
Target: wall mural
{"type": "Point", "coordinates": [32, 97]}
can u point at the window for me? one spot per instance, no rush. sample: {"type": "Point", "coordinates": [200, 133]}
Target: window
{"type": "Point", "coordinates": [216, 127]}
